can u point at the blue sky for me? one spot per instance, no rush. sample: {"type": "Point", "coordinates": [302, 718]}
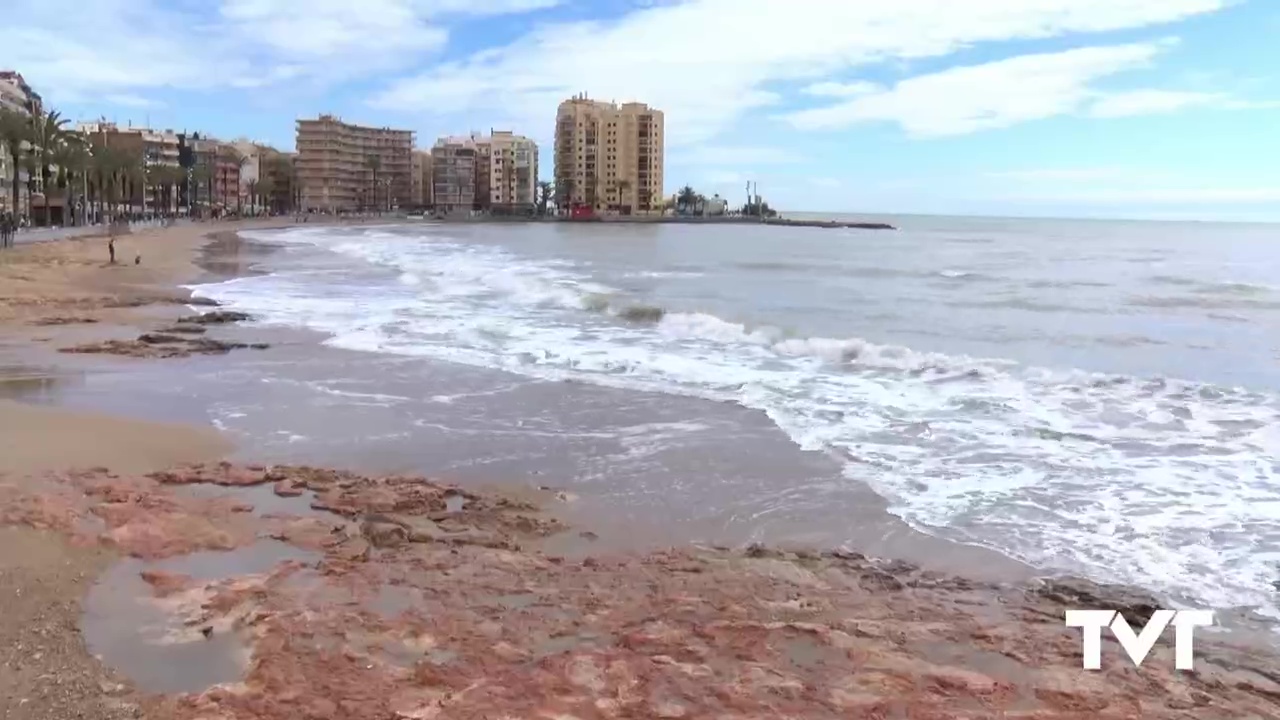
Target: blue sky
{"type": "Point", "coordinates": [1094, 108]}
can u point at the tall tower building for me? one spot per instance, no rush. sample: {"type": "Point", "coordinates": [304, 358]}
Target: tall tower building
{"type": "Point", "coordinates": [609, 157]}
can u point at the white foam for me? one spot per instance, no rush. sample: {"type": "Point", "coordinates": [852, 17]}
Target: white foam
{"type": "Point", "coordinates": [1167, 483]}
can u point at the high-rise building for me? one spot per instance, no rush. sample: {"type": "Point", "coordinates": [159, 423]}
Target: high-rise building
{"type": "Point", "coordinates": [347, 167]}
{"type": "Point", "coordinates": [506, 173]}
{"type": "Point", "coordinates": [609, 157]}
{"type": "Point", "coordinates": [495, 173]}
{"type": "Point", "coordinates": [453, 174]}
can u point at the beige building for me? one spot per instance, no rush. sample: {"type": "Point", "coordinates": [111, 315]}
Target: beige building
{"type": "Point", "coordinates": [609, 157]}
{"type": "Point", "coordinates": [507, 173]}
{"type": "Point", "coordinates": [503, 170]}
{"type": "Point", "coordinates": [453, 174]}
{"type": "Point", "coordinates": [422, 190]}
{"type": "Point", "coordinates": [348, 167]}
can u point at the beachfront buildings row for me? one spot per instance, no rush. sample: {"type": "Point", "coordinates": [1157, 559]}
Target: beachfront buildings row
{"type": "Point", "coordinates": [345, 167]}
{"type": "Point", "coordinates": [609, 159]}
{"type": "Point", "coordinates": [161, 171]}
{"type": "Point", "coordinates": [187, 171]}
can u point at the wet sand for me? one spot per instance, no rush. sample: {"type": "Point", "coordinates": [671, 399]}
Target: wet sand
{"type": "Point", "coordinates": [265, 592]}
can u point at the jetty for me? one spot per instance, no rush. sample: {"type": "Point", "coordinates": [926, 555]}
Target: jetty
{"type": "Point", "coordinates": [729, 220]}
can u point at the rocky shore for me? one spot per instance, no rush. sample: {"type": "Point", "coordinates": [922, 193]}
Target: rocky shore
{"type": "Point", "coordinates": [233, 591]}
{"type": "Point", "coordinates": [406, 598]}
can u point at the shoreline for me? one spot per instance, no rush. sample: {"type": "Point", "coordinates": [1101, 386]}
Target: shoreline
{"type": "Point", "coordinates": [810, 617]}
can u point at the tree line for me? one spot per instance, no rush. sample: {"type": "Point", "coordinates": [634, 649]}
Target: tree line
{"type": "Point", "coordinates": [104, 176]}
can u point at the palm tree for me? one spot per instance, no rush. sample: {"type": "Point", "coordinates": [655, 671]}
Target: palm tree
{"type": "Point", "coordinates": [202, 174]}
{"type": "Point", "coordinates": [374, 163]}
{"type": "Point", "coordinates": [241, 160]}
{"type": "Point", "coordinates": [266, 191]}
{"type": "Point", "coordinates": [227, 158]}
{"type": "Point", "coordinates": [686, 198]}
{"type": "Point", "coordinates": [131, 171]}
{"type": "Point", "coordinates": [71, 156]}
{"type": "Point", "coordinates": [47, 132]}
{"type": "Point", "coordinates": [623, 186]}
{"type": "Point", "coordinates": [544, 197]}
{"type": "Point", "coordinates": [15, 132]}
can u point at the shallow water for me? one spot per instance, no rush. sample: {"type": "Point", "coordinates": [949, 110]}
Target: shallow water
{"type": "Point", "coordinates": [1084, 396]}
{"type": "Point", "coordinates": [126, 627]}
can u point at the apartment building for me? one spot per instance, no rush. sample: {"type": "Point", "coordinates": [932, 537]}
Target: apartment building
{"type": "Point", "coordinates": [453, 174]}
{"type": "Point", "coordinates": [503, 173]}
{"type": "Point", "coordinates": [421, 178]}
{"type": "Point", "coordinates": [609, 157]}
{"type": "Point", "coordinates": [341, 166]}
{"type": "Point", "coordinates": [126, 141]}
{"type": "Point", "coordinates": [507, 174]}
{"type": "Point", "coordinates": [15, 95]}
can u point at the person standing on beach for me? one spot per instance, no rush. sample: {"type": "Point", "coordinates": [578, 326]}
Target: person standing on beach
{"type": "Point", "coordinates": [111, 249]}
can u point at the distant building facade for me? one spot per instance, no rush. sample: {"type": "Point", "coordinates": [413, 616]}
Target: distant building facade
{"type": "Point", "coordinates": [422, 178]}
{"type": "Point", "coordinates": [507, 176]}
{"type": "Point", "coordinates": [495, 173]}
{"type": "Point", "coordinates": [341, 166]}
{"type": "Point", "coordinates": [453, 174]}
{"type": "Point", "coordinates": [609, 158]}
{"type": "Point", "coordinates": [16, 96]}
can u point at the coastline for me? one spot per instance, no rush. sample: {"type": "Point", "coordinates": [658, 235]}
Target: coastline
{"type": "Point", "coordinates": [771, 631]}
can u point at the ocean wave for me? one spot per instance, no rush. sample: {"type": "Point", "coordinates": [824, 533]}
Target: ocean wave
{"type": "Point", "coordinates": [1114, 476]}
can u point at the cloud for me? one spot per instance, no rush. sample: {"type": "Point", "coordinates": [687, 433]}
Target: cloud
{"type": "Point", "coordinates": [110, 47]}
{"type": "Point", "coordinates": [842, 90]}
{"type": "Point", "coordinates": [1149, 102]}
{"type": "Point", "coordinates": [127, 100]}
{"type": "Point", "coordinates": [708, 62]}
{"type": "Point", "coordinates": [981, 97]}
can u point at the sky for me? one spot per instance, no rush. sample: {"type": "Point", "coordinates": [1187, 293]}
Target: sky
{"type": "Point", "coordinates": [1065, 108]}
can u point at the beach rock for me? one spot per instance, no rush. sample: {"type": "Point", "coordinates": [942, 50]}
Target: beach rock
{"type": "Point", "coordinates": [209, 346]}
{"type": "Point", "coordinates": [416, 612]}
{"type": "Point", "coordinates": [216, 317]}
{"type": "Point", "coordinates": [64, 320]}
{"type": "Point", "coordinates": [383, 534]}
{"type": "Point", "coordinates": [185, 329]}
{"type": "Point", "coordinates": [165, 583]}
{"type": "Point", "coordinates": [159, 338]}
{"type": "Point", "coordinates": [1078, 593]}
{"type": "Point", "coordinates": [160, 345]}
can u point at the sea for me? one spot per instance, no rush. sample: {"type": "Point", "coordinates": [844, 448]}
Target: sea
{"type": "Point", "coordinates": [1098, 398]}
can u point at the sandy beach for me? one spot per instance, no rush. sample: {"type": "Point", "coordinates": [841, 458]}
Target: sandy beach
{"type": "Point", "coordinates": [148, 575]}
